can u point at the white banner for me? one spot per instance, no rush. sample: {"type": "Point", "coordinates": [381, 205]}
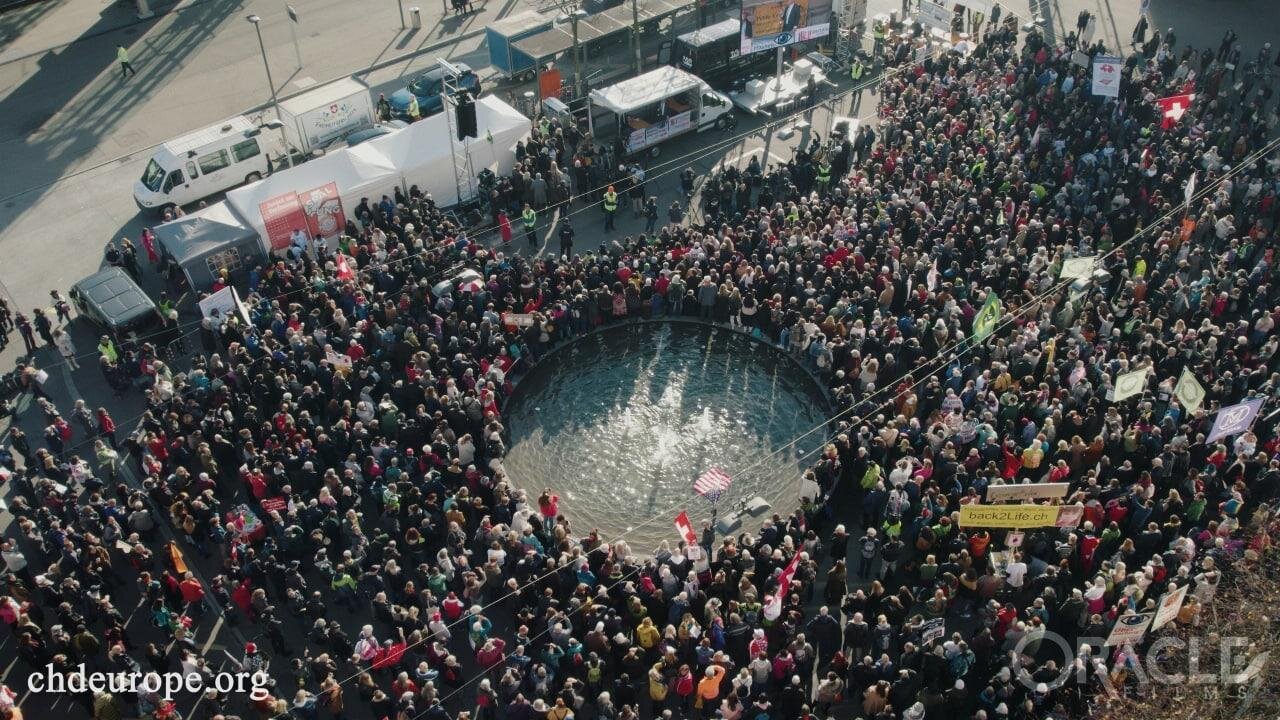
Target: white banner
{"type": "Point", "coordinates": [1189, 391]}
{"type": "Point", "coordinates": [1129, 630]}
{"type": "Point", "coordinates": [1079, 267]}
{"type": "Point", "coordinates": [1129, 384]}
{"type": "Point", "coordinates": [933, 15]}
{"type": "Point", "coordinates": [1028, 491]}
{"type": "Point", "coordinates": [220, 304]}
{"type": "Point", "coordinates": [1170, 604]}
{"type": "Point", "coordinates": [1106, 75]}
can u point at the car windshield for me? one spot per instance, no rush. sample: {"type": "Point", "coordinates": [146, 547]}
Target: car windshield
{"type": "Point", "coordinates": [425, 86]}
{"type": "Point", "coordinates": [153, 176]}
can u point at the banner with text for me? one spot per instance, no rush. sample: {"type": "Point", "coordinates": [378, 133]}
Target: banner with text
{"type": "Point", "coordinates": [1008, 516]}
{"type": "Point", "coordinates": [1028, 491]}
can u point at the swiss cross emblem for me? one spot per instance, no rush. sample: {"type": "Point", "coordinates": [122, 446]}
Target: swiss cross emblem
{"type": "Point", "coordinates": [1175, 111]}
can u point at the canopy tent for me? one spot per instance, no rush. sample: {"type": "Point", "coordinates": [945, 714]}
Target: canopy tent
{"type": "Point", "coordinates": [208, 241]}
{"type": "Point", "coordinates": [314, 196]}
{"type": "Point", "coordinates": [421, 151]}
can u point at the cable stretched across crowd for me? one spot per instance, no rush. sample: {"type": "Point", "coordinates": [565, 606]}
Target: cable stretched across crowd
{"type": "Point", "coordinates": [334, 466]}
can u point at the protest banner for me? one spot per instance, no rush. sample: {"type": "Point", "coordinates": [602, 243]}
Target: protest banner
{"type": "Point", "coordinates": [1106, 75]}
{"type": "Point", "coordinates": [1170, 604]}
{"type": "Point", "coordinates": [1008, 516]}
{"type": "Point", "coordinates": [1069, 516]}
{"type": "Point", "coordinates": [1129, 629]}
{"type": "Point", "coordinates": [1234, 419]}
{"type": "Point", "coordinates": [1026, 491]}
{"type": "Point", "coordinates": [932, 629]}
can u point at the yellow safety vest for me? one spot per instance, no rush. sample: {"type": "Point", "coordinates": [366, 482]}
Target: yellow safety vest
{"type": "Point", "coordinates": [610, 201]}
{"type": "Point", "coordinates": [824, 173]}
{"type": "Point", "coordinates": [856, 71]}
{"type": "Point", "coordinates": [530, 218]}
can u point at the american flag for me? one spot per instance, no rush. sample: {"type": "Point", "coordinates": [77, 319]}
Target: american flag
{"type": "Point", "coordinates": [712, 483]}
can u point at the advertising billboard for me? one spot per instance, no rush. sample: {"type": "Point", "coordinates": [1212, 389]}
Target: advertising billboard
{"type": "Point", "coordinates": [768, 24]}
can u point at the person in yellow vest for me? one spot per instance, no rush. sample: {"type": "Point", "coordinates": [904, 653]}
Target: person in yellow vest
{"type": "Point", "coordinates": [823, 176]}
{"type": "Point", "coordinates": [108, 349]}
{"type": "Point", "coordinates": [122, 54]}
{"type": "Point", "coordinates": [530, 219]}
{"type": "Point", "coordinates": [610, 208]}
{"type": "Point", "coordinates": [415, 114]}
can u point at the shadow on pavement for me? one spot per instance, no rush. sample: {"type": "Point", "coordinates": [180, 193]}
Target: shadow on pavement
{"type": "Point", "coordinates": [74, 99]}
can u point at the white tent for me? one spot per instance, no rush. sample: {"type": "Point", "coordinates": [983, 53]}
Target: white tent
{"type": "Point", "coordinates": [282, 202]}
{"type": "Point", "coordinates": [421, 151]}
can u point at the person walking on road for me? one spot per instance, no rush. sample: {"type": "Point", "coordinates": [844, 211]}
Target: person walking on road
{"type": "Point", "coordinates": [126, 68]}
{"type": "Point", "coordinates": [66, 348]}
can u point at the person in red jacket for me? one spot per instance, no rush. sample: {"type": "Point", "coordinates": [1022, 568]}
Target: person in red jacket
{"type": "Point", "coordinates": [193, 594]}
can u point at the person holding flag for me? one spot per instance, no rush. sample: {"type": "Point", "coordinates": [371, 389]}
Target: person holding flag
{"type": "Point", "coordinates": [984, 323]}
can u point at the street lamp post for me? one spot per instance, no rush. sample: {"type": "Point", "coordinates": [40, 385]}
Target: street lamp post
{"type": "Point", "coordinates": [256, 21]}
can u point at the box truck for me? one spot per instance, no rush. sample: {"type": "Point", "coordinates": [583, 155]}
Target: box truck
{"type": "Point", "coordinates": [317, 118]}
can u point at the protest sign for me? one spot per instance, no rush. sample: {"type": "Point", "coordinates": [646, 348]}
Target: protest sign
{"type": "Point", "coordinates": [1008, 516]}
{"type": "Point", "coordinates": [1026, 491]}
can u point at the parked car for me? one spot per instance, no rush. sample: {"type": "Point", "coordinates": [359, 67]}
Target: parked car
{"type": "Point", "coordinates": [379, 130]}
{"type": "Point", "coordinates": [427, 89]}
{"type": "Point", "coordinates": [112, 300]}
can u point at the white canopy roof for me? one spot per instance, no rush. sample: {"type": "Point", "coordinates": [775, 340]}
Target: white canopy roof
{"type": "Point", "coordinates": [647, 89]}
{"type": "Point", "coordinates": [421, 151]}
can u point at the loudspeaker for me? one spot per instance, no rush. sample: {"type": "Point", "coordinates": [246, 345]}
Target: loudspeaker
{"type": "Point", "coordinates": [466, 115]}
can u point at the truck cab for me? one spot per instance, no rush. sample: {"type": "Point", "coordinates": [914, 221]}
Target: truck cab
{"type": "Point", "coordinates": [202, 163]}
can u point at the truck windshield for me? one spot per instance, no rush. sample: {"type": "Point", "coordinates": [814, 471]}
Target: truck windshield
{"type": "Point", "coordinates": [153, 176]}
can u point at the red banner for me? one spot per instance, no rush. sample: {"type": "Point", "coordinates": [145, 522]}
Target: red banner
{"type": "Point", "coordinates": [274, 504]}
{"type": "Point", "coordinates": [323, 208]}
{"type": "Point", "coordinates": [281, 215]}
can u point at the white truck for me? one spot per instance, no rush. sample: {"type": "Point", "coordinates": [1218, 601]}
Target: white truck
{"type": "Point", "coordinates": [649, 109]}
{"type": "Point", "coordinates": [317, 118]}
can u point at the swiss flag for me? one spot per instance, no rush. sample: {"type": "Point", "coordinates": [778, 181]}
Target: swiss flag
{"type": "Point", "coordinates": [773, 608]}
{"type": "Point", "coordinates": [685, 528]}
{"type": "Point", "coordinates": [1172, 109]}
{"type": "Point", "coordinates": [344, 268]}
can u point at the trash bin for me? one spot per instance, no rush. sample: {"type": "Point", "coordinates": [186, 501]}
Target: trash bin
{"type": "Point", "coordinates": [415, 17]}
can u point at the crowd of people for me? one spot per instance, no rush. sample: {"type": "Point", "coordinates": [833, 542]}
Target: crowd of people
{"type": "Point", "coordinates": [334, 467]}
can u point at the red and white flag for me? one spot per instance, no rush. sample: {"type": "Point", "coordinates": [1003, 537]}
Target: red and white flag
{"type": "Point", "coordinates": [685, 528]}
{"type": "Point", "coordinates": [773, 609]}
{"type": "Point", "coordinates": [344, 268]}
{"type": "Point", "coordinates": [1172, 109]}
{"type": "Point", "coordinates": [712, 483]}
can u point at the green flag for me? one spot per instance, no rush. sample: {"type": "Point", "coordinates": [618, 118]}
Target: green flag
{"type": "Point", "coordinates": [985, 322]}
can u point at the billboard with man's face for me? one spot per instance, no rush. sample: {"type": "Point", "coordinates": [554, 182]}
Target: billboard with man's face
{"type": "Point", "coordinates": [768, 24]}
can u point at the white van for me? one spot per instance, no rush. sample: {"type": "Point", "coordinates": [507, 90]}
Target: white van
{"type": "Point", "coordinates": [202, 163]}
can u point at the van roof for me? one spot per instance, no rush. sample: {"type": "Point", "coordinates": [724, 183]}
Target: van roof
{"type": "Point", "coordinates": [710, 33]}
{"type": "Point", "coordinates": [323, 95]}
{"type": "Point", "coordinates": [647, 89]}
{"type": "Point", "coordinates": [240, 126]}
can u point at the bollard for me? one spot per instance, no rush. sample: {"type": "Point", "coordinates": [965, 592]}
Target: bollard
{"type": "Point", "coordinates": [415, 17]}
{"type": "Point", "coordinates": [144, 10]}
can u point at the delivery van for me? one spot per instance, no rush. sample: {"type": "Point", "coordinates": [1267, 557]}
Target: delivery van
{"type": "Point", "coordinates": [202, 163]}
